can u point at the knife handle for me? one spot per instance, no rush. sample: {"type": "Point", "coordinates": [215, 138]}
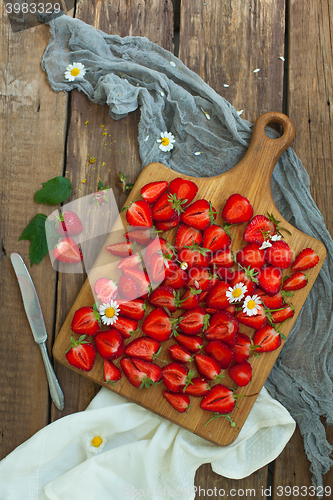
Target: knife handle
{"type": "Point", "coordinates": [55, 390]}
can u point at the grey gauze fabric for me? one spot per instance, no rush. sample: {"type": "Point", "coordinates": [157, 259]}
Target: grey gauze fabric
{"type": "Point", "coordinates": [129, 72]}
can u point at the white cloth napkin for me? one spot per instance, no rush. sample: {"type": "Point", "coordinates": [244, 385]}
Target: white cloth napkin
{"type": "Point", "coordinates": [144, 456]}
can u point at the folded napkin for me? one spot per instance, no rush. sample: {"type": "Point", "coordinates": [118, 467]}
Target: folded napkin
{"type": "Point", "coordinates": [144, 454]}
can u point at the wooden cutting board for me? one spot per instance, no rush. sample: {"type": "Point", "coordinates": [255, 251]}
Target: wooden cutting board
{"type": "Point", "coordinates": [251, 177]}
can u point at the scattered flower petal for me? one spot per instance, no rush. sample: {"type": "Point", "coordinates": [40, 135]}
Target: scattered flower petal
{"type": "Point", "coordinates": [95, 441]}
{"type": "Point", "coordinates": [240, 112]}
{"type": "Point", "coordinates": [196, 284]}
{"type": "Point", "coordinates": [75, 71]}
{"type": "Point", "coordinates": [109, 312]}
{"type": "Point", "coordinates": [173, 64]}
{"type": "Point", "coordinates": [166, 142]}
{"type": "Point", "coordinates": [225, 85]}
{"type": "Point", "coordinates": [256, 70]}
{"type": "Point", "coordinates": [146, 139]}
{"type": "Point", "coordinates": [266, 244]}
{"type": "Point", "coordinates": [276, 237]}
{"type": "Point", "coordinates": [282, 58]}
{"type": "Point", "coordinates": [197, 153]}
{"type": "Point", "coordinates": [206, 114]}
{"type": "Point", "coordinates": [251, 305]}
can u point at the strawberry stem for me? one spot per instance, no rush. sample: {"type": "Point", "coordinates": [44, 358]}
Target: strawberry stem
{"type": "Point", "coordinates": [217, 415]}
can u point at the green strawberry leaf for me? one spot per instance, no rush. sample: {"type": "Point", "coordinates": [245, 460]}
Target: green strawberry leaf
{"type": "Point", "coordinates": [54, 191]}
{"type": "Point", "coordinates": [35, 233]}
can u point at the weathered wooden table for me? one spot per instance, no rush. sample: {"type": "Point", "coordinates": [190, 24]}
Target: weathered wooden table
{"type": "Point", "coordinates": [43, 135]}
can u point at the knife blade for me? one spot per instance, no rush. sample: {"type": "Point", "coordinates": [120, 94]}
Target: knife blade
{"type": "Point", "coordinates": [37, 325]}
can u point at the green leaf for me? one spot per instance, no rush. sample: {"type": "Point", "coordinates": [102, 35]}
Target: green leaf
{"type": "Point", "coordinates": [54, 191]}
{"type": "Point", "coordinates": [35, 233]}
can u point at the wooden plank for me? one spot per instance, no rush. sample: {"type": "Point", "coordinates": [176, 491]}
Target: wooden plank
{"type": "Point", "coordinates": [32, 131]}
{"type": "Point", "coordinates": [118, 150]}
{"type": "Point", "coordinates": [309, 98]}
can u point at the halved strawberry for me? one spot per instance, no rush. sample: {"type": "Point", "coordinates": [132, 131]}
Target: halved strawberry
{"type": "Point", "coordinates": [158, 325]}
{"type": "Point", "coordinates": [256, 227]}
{"type": "Point", "coordinates": [296, 281]}
{"type": "Point", "coordinates": [179, 353]}
{"type": "Point", "coordinates": [178, 278]}
{"type": "Point", "coordinates": [237, 209]}
{"type": "Point", "coordinates": [86, 320]}
{"type": "Point", "coordinates": [241, 373]}
{"type": "Point", "coordinates": [81, 354]}
{"type": "Point", "coordinates": [109, 344]}
{"type": "Point", "coordinates": [175, 376]}
{"type": "Point", "coordinates": [194, 256]}
{"type": "Point", "coordinates": [126, 326]}
{"type": "Point", "coordinates": [167, 208]}
{"type": "Point", "coordinates": [111, 372]}
{"type": "Point", "coordinates": [231, 308]}
{"type": "Point", "coordinates": [166, 225]}
{"type": "Point", "coordinates": [158, 268]}
{"type": "Point", "coordinates": [267, 339]}
{"type": "Point", "coordinates": [164, 296]}
{"type": "Point", "coordinates": [160, 246]}
{"type": "Point", "coordinates": [152, 191]}
{"type": "Point", "coordinates": [208, 367]}
{"type": "Point", "coordinates": [217, 298]}
{"type": "Point", "coordinates": [247, 277]}
{"type": "Point", "coordinates": [143, 348]}
{"type": "Point", "coordinates": [126, 288]}
{"type": "Point", "coordinates": [215, 238]}
{"type": "Point", "coordinates": [279, 254]}
{"type": "Point", "coordinates": [187, 236]}
{"type": "Point", "coordinates": [271, 302]}
{"type": "Point", "coordinates": [223, 326]}
{"type": "Point", "coordinates": [199, 215]}
{"type": "Point", "coordinates": [131, 261]}
{"type": "Point", "coordinates": [256, 321]}
{"type": "Point", "coordinates": [134, 376]}
{"type": "Point", "coordinates": [306, 259]}
{"type": "Point", "coordinates": [220, 399]}
{"type": "Point", "coordinates": [223, 273]}
{"type": "Point", "coordinates": [198, 387]}
{"type": "Point", "coordinates": [105, 290]}
{"type": "Point", "coordinates": [222, 258]}
{"type": "Point", "coordinates": [190, 299]}
{"type": "Point", "coordinates": [193, 343]}
{"type": "Point", "coordinates": [199, 278]}
{"type": "Point", "coordinates": [152, 370]}
{"type": "Point", "coordinates": [139, 214]}
{"type": "Point", "coordinates": [140, 236]}
{"type": "Point", "coordinates": [122, 249]}
{"type": "Point", "coordinates": [133, 309]}
{"type": "Point", "coordinates": [140, 278]}
{"type": "Point", "coordinates": [251, 256]}
{"type": "Point", "coordinates": [179, 402]}
{"type": "Point", "coordinates": [270, 279]}
{"type": "Point", "coordinates": [67, 251]}
{"type": "Point", "coordinates": [243, 348]}
{"type": "Point", "coordinates": [285, 313]}
{"type": "Point", "coordinates": [192, 321]}
{"type": "Point", "coordinates": [220, 351]}
{"type": "Point", "coordinates": [184, 189]}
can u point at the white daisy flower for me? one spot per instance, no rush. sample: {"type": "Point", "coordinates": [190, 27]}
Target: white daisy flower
{"type": "Point", "coordinates": [266, 244]}
{"type": "Point", "coordinates": [184, 266]}
{"type": "Point", "coordinates": [109, 312]}
{"type": "Point", "coordinates": [75, 71]}
{"type": "Point", "coordinates": [166, 142]}
{"type": "Point", "coordinates": [251, 305]}
{"type": "Point", "coordinates": [236, 293]}
{"type": "Point", "coordinates": [95, 441]}
{"type": "Point", "coordinates": [276, 237]}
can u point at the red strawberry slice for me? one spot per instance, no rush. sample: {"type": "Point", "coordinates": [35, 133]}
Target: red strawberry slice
{"type": "Point", "coordinates": [220, 399]}
{"type": "Point", "coordinates": [215, 238]}
{"type": "Point", "coordinates": [207, 366]}
{"type": "Point", "coordinates": [199, 215]}
{"type": "Point", "coordinates": [231, 308]}
{"type": "Point", "coordinates": [256, 227]}
{"type": "Point", "coordinates": [279, 254]}
{"type": "Point", "coordinates": [222, 258]}
{"type": "Point", "coordinates": [158, 245]}
{"type": "Point", "coordinates": [163, 296]}
{"type": "Point", "coordinates": [158, 325]}
{"type": "Point", "coordinates": [220, 351]}
{"type": "Point", "coordinates": [252, 256]}
{"type": "Point", "coordinates": [179, 353]}
{"type": "Point", "coordinates": [86, 321]}
{"type": "Point", "coordinates": [105, 290]}
{"type": "Point", "coordinates": [69, 224]}
{"type": "Point", "coordinates": [184, 189]}
{"type": "Point", "coordinates": [126, 326]}
{"type": "Point", "coordinates": [140, 236]}
{"type": "Point", "coordinates": [143, 348]}
{"type": "Point", "coordinates": [199, 278]}
{"type": "Point", "coordinates": [179, 402]}
{"type": "Point", "coordinates": [67, 251]}
{"type": "Point", "coordinates": [217, 298]}
{"type": "Point", "coordinates": [111, 372]}
{"type": "Point", "coordinates": [198, 387]}
{"type": "Point", "coordinates": [256, 321]}
{"type": "Point", "coordinates": [158, 268]}
{"type": "Point", "coordinates": [166, 225]}
{"type": "Point", "coordinates": [81, 354]}
{"type": "Point", "coordinates": [270, 279]}
{"type": "Point", "coordinates": [109, 344]}
{"type": "Point", "coordinates": [140, 278]}
{"type": "Point", "coordinates": [223, 273]}
{"type": "Point", "coordinates": [178, 278]}
{"type": "Point", "coordinates": [274, 302]}
{"type": "Point", "coordinates": [139, 214]}
{"type": "Point", "coordinates": [192, 321]}
{"type": "Point", "coordinates": [122, 249]}
{"type": "Point", "coordinates": [131, 261]}
{"type": "Point", "coordinates": [267, 339]}
{"type": "Point", "coordinates": [152, 370]}
{"type": "Point", "coordinates": [191, 299]}
{"type": "Point", "coordinates": [193, 343]}
{"type": "Point", "coordinates": [284, 314]}
{"type": "Point", "coordinates": [296, 281]}
{"type": "Point", "coordinates": [175, 376]}
{"type": "Point", "coordinates": [306, 259]}
{"type": "Point", "coordinates": [133, 309]}
{"type": "Point", "coordinates": [187, 236]}
{"type": "Point", "coordinates": [241, 373]}
{"type": "Point", "coordinates": [134, 376]}
{"type": "Point", "coordinates": [237, 209]}
{"type": "Point", "coordinates": [246, 277]}
{"type": "Point", "coordinates": [127, 288]}
{"type": "Point", "coordinates": [223, 326]}
{"type": "Point", "coordinates": [194, 256]}
{"type": "Point", "coordinates": [243, 348]}
{"type": "Point", "coordinates": [166, 208]}
{"type": "Point", "coordinates": [152, 191]}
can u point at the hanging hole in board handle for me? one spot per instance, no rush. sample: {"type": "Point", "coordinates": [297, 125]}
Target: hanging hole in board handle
{"type": "Point", "coordinates": [282, 142]}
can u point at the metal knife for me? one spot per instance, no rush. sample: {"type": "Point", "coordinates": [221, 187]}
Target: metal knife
{"type": "Point", "coordinates": [37, 325]}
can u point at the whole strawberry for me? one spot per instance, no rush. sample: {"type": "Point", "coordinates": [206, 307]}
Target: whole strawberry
{"type": "Point", "coordinates": [69, 224]}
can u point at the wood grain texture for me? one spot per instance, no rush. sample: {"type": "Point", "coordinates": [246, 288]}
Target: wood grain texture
{"type": "Point", "coordinates": [32, 131]}
{"type": "Point", "coordinates": [263, 154]}
{"type": "Point", "coordinates": [113, 144]}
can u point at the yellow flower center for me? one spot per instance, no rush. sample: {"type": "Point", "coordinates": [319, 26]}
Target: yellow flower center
{"type": "Point", "coordinates": [109, 312]}
{"type": "Point", "coordinates": [251, 304]}
{"type": "Point", "coordinates": [75, 72]}
{"type": "Point", "coordinates": [165, 141]}
{"type": "Point", "coordinates": [237, 293]}
{"type": "Point", "coordinates": [97, 441]}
